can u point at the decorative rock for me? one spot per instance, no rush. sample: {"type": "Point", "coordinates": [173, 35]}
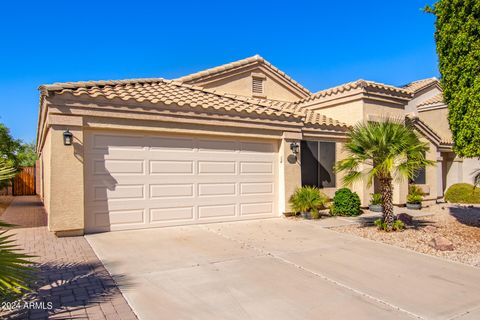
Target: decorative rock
{"type": "Point", "coordinates": [430, 229]}
{"type": "Point", "coordinates": [441, 243]}
{"type": "Point", "coordinates": [405, 218]}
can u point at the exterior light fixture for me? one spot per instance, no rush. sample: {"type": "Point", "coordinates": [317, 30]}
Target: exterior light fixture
{"type": "Point", "coordinates": [292, 158]}
{"type": "Point", "coordinates": [294, 147]}
{"type": "Point", "coordinates": [67, 138]}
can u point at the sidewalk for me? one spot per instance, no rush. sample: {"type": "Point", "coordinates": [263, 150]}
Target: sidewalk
{"type": "Point", "coordinates": [70, 276]}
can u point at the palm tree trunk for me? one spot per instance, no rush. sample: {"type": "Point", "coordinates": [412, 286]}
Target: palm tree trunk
{"type": "Point", "coordinates": [387, 199]}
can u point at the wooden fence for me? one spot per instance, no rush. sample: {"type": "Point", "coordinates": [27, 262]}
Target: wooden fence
{"type": "Point", "coordinates": [24, 182]}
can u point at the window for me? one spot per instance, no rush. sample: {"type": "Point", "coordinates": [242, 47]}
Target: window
{"type": "Point", "coordinates": [257, 86]}
{"type": "Point", "coordinates": [318, 159]}
{"type": "Point", "coordinates": [420, 176]}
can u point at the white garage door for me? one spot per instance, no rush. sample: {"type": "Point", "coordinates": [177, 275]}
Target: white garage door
{"type": "Point", "coordinates": [135, 182]}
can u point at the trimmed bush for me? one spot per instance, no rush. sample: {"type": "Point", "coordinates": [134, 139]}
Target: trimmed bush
{"type": "Point", "coordinates": [376, 198]}
{"type": "Point", "coordinates": [398, 225]}
{"type": "Point", "coordinates": [462, 193]}
{"type": "Point", "coordinates": [307, 199]}
{"type": "Point", "coordinates": [345, 203]}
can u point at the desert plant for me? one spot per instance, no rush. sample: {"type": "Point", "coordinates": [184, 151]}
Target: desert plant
{"type": "Point", "coordinates": [415, 194]}
{"type": "Point", "coordinates": [15, 268]}
{"type": "Point", "coordinates": [376, 198]}
{"type": "Point", "coordinates": [397, 225]}
{"type": "Point", "coordinates": [386, 150]}
{"type": "Point", "coordinates": [6, 171]}
{"type": "Point", "coordinates": [462, 193]}
{"type": "Point", "coordinates": [307, 199]}
{"type": "Point", "coordinates": [414, 198]}
{"type": "Point", "coordinates": [476, 178]}
{"type": "Point", "coordinates": [415, 190]}
{"type": "Point", "coordinates": [345, 203]}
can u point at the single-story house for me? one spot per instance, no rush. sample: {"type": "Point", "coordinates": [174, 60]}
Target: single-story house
{"type": "Point", "coordinates": [225, 144]}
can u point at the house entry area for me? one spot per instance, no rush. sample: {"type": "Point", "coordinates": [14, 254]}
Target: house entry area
{"type": "Point", "coordinates": [318, 160]}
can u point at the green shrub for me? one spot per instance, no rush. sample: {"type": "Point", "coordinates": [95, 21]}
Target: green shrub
{"type": "Point", "coordinates": [414, 198]}
{"type": "Point", "coordinates": [307, 199]}
{"type": "Point", "coordinates": [345, 203]}
{"type": "Point", "coordinates": [462, 193]}
{"type": "Point", "coordinates": [415, 190]}
{"type": "Point", "coordinates": [398, 225]}
{"type": "Point", "coordinates": [376, 199]}
{"type": "Point", "coordinates": [415, 194]}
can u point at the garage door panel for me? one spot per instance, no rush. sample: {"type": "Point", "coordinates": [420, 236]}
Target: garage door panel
{"type": "Point", "coordinates": [257, 188]}
{"type": "Point", "coordinates": [217, 167]}
{"type": "Point", "coordinates": [161, 144]}
{"type": "Point", "coordinates": [120, 192]}
{"type": "Point", "coordinates": [115, 167]}
{"type": "Point", "coordinates": [217, 211]}
{"type": "Point", "coordinates": [107, 143]}
{"type": "Point", "coordinates": [169, 190]}
{"type": "Point", "coordinates": [256, 208]}
{"type": "Point", "coordinates": [171, 213]}
{"type": "Point", "coordinates": [150, 181]}
{"type": "Point", "coordinates": [216, 189]}
{"type": "Point", "coordinates": [172, 167]}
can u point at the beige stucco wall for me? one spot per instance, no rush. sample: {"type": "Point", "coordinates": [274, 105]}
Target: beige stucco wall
{"type": "Point", "coordinates": [420, 97]}
{"type": "Point", "coordinates": [432, 173]}
{"type": "Point", "coordinates": [374, 110]}
{"type": "Point", "coordinates": [290, 174]}
{"type": "Point", "coordinates": [46, 175]}
{"type": "Point", "coordinates": [437, 119]}
{"type": "Point", "coordinates": [66, 183]}
{"type": "Point", "coordinates": [241, 84]}
{"type": "Point", "coordinates": [470, 165]}
{"type": "Point", "coordinates": [349, 112]}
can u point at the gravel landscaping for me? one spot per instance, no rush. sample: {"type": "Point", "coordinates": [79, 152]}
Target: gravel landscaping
{"type": "Point", "coordinates": [456, 226]}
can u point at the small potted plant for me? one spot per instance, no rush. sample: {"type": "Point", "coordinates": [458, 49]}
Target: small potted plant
{"type": "Point", "coordinates": [376, 203]}
{"type": "Point", "coordinates": [308, 200]}
{"type": "Point", "coordinates": [414, 198]}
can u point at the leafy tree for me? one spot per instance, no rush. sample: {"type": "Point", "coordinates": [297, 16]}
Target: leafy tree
{"type": "Point", "coordinates": [384, 150]}
{"type": "Point", "coordinates": [9, 146]}
{"type": "Point", "coordinates": [26, 155]}
{"type": "Point", "coordinates": [458, 47]}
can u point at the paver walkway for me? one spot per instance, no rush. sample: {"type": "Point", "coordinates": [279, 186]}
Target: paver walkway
{"type": "Point", "coordinates": [70, 276]}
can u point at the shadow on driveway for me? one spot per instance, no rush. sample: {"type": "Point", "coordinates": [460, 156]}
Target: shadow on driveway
{"type": "Point", "coordinates": [62, 289]}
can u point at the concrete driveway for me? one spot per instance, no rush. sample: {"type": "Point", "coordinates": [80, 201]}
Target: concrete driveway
{"type": "Point", "coordinates": [281, 269]}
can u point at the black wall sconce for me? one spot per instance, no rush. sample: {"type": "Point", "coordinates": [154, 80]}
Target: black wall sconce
{"type": "Point", "coordinates": [294, 147]}
{"type": "Point", "coordinates": [67, 138]}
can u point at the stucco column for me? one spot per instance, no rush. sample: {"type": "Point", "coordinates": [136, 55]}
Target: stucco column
{"type": "Point", "coordinates": [360, 187]}
{"type": "Point", "coordinates": [66, 210]}
{"type": "Point", "coordinates": [431, 174]}
{"type": "Point", "coordinates": [439, 166]}
{"type": "Point", "coordinates": [290, 175]}
{"type": "Point", "coordinates": [455, 172]}
{"type": "Point", "coordinates": [400, 191]}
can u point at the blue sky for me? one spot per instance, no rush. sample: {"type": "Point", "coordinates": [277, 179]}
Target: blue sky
{"type": "Point", "coordinates": [319, 43]}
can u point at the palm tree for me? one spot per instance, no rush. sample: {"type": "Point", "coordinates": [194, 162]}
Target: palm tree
{"type": "Point", "coordinates": [14, 265]}
{"type": "Point", "coordinates": [386, 150]}
{"type": "Point", "coordinates": [476, 178]}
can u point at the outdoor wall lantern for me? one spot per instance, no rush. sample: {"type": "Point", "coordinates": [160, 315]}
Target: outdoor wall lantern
{"type": "Point", "coordinates": [294, 147]}
{"type": "Point", "coordinates": [67, 138]}
{"type": "Point", "coordinates": [292, 158]}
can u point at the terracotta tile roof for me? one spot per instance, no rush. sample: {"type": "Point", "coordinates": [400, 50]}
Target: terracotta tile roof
{"type": "Point", "coordinates": [157, 90]}
{"type": "Point", "coordinates": [418, 85]}
{"type": "Point", "coordinates": [191, 78]}
{"type": "Point", "coordinates": [436, 99]}
{"type": "Point", "coordinates": [355, 85]}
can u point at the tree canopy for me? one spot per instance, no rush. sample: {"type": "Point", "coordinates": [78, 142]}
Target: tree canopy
{"type": "Point", "coordinates": [458, 47]}
{"type": "Point", "coordinates": [15, 152]}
